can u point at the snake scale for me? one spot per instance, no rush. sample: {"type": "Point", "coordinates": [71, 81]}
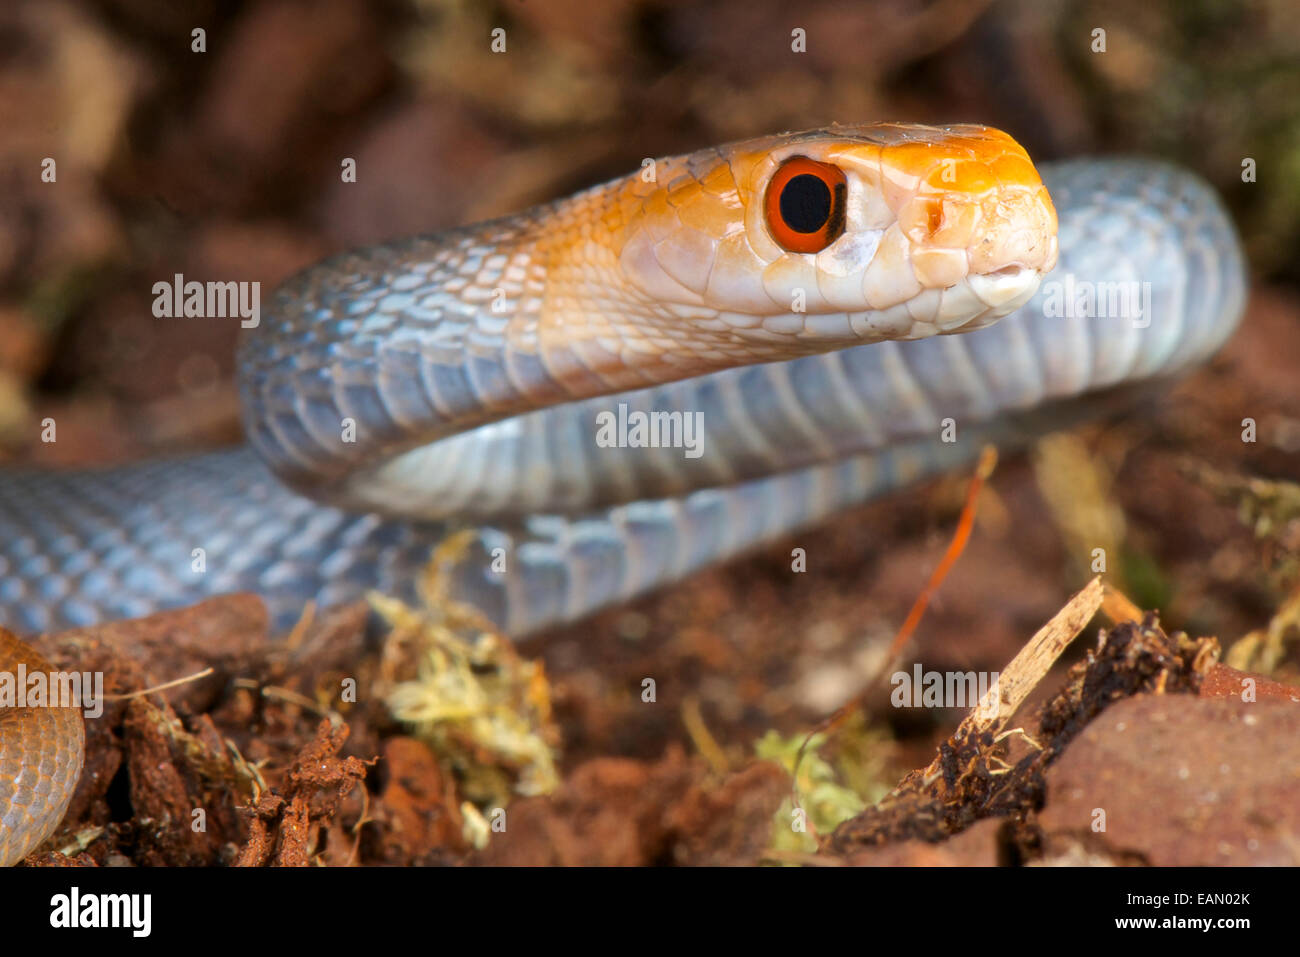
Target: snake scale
{"type": "Point", "coordinates": [842, 311]}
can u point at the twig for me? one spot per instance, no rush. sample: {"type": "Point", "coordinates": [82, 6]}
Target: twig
{"type": "Point", "coordinates": [162, 687]}
{"type": "Point", "coordinates": [965, 523]}
{"type": "Point", "coordinates": [1027, 668]}
{"type": "Point", "coordinates": [987, 463]}
{"type": "Point", "coordinates": [1118, 607]}
{"type": "Point", "coordinates": [703, 739]}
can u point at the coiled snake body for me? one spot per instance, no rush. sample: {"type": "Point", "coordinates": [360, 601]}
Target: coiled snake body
{"type": "Point", "coordinates": [820, 302]}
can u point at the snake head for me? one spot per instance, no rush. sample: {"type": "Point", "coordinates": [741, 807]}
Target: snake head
{"type": "Point", "coordinates": [811, 241]}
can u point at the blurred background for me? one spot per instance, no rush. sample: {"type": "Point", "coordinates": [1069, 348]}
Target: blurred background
{"type": "Point", "coordinates": [225, 165]}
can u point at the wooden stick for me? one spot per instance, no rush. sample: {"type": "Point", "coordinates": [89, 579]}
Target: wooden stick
{"type": "Point", "coordinates": [1028, 667]}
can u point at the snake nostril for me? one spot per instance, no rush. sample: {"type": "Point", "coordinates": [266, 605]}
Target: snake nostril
{"type": "Point", "coordinates": [934, 216]}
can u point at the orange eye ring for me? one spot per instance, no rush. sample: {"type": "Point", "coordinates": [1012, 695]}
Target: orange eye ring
{"type": "Point", "coordinates": [804, 204]}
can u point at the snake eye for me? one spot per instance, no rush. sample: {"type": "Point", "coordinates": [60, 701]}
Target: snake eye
{"type": "Point", "coordinates": [805, 204]}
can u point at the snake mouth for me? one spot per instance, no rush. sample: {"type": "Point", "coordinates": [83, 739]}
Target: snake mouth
{"type": "Point", "coordinates": [1013, 271]}
{"type": "Point", "coordinates": [1005, 289]}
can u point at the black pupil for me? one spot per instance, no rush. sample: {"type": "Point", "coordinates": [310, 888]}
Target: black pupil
{"type": "Point", "coordinates": [805, 203]}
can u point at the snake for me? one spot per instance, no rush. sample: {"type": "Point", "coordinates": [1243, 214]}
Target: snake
{"type": "Point", "coordinates": [609, 391]}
